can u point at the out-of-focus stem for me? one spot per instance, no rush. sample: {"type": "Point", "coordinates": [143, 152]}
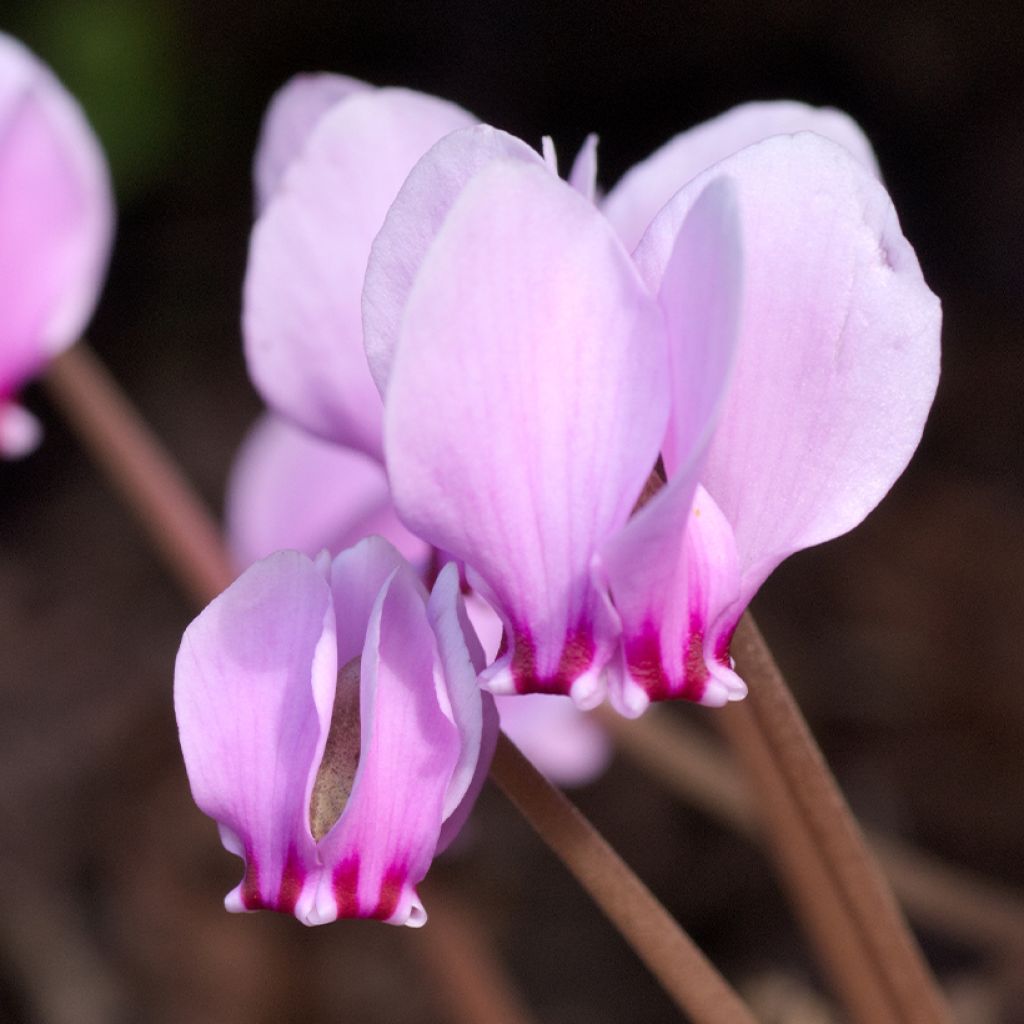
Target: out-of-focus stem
{"type": "Point", "coordinates": [768, 730]}
{"type": "Point", "coordinates": [187, 536]}
{"type": "Point", "coordinates": [176, 520]}
{"type": "Point", "coordinates": [456, 950]}
{"type": "Point", "coordinates": [939, 895]}
{"type": "Point", "coordinates": [669, 953]}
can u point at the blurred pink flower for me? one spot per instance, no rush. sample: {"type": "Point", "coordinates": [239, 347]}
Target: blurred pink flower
{"type": "Point", "coordinates": [56, 226]}
{"type": "Point", "coordinates": [332, 725]}
{"type": "Point", "coordinates": [533, 374]}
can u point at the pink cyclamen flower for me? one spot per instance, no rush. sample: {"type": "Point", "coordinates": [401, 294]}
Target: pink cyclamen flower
{"type": "Point", "coordinates": [784, 396]}
{"type": "Point", "coordinates": [289, 489]}
{"type": "Point", "coordinates": [56, 226]}
{"type": "Point", "coordinates": [332, 726]}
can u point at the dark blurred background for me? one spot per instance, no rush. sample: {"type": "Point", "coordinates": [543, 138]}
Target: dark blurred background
{"type": "Point", "coordinates": [901, 640]}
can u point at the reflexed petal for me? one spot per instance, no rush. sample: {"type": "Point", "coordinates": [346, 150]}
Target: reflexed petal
{"type": "Point", "coordinates": [645, 188]}
{"type": "Point", "coordinates": [288, 489]}
{"type": "Point", "coordinates": [583, 176]}
{"type": "Point", "coordinates": [839, 348]}
{"type": "Point", "coordinates": [253, 691]}
{"type": "Point", "coordinates": [528, 317]}
{"type": "Point", "coordinates": [307, 259]}
{"type": "Point", "coordinates": [382, 845]}
{"type": "Point", "coordinates": [357, 576]}
{"type": "Point", "coordinates": [291, 115]}
{"type": "Point", "coordinates": [647, 564]}
{"type": "Point", "coordinates": [412, 223]}
{"type": "Point", "coordinates": [461, 661]}
{"type": "Point", "coordinates": [56, 210]}
{"type": "Point", "coordinates": [568, 746]}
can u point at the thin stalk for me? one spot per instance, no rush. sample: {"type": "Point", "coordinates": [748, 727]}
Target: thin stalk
{"type": "Point", "coordinates": [185, 533]}
{"type": "Point", "coordinates": [151, 483]}
{"type": "Point", "coordinates": [689, 978]}
{"type": "Point", "coordinates": [939, 895]}
{"type": "Point", "coordinates": [815, 800]}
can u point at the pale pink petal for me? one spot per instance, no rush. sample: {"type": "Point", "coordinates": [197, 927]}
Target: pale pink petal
{"type": "Point", "coordinates": [291, 115]}
{"type": "Point", "coordinates": [583, 176]}
{"type": "Point", "coordinates": [646, 187]}
{"type": "Point", "coordinates": [647, 564]}
{"type": "Point", "coordinates": [568, 746]}
{"type": "Point", "coordinates": [461, 660]}
{"type": "Point", "coordinates": [839, 348]}
{"type": "Point", "coordinates": [288, 489]}
{"type": "Point", "coordinates": [412, 223]}
{"type": "Point", "coordinates": [253, 690]}
{"type": "Point", "coordinates": [382, 845]}
{"type": "Point", "coordinates": [528, 317]}
{"type": "Point", "coordinates": [56, 219]}
{"type": "Point", "coordinates": [358, 575]}
{"type": "Point", "coordinates": [307, 258]}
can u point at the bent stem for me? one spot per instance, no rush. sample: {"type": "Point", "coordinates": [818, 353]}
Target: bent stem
{"type": "Point", "coordinates": [689, 978]}
{"type": "Point", "coordinates": [187, 537]}
{"type": "Point", "coordinates": [789, 774]}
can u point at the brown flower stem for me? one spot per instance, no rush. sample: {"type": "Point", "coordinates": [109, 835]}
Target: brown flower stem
{"type": "Point", "coordinates": [188, 538]}
{"type": "Point", "coordinates": [176, 520]}
{"type": "Point", "coordinates": [937, 894]}
{"type": "Point", "coordinates": [768, 729]}
{"type": "Point", "coordinates": [687, 976]}
{"type": "Point", "coordinates": [459, 960]}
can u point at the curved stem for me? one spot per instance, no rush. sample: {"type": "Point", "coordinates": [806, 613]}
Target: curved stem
{"type": "Point", "coordinates": [688, 977]}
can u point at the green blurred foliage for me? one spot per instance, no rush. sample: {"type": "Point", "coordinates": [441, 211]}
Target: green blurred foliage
{"type": "Point", "coordinates": [120, 61]}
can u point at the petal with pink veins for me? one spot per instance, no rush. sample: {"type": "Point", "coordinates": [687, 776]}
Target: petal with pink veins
{"type": "Point", "coordinates": [253, 690]}
{"type": "Point", "coordinates": [838, 353]}
{"type": "Point", "coordinates": [528, 317]}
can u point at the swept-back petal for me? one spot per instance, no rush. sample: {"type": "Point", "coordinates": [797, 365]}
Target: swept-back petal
{"type": "Point", "coordinates": [529, 318]}
{"type": "Point", "coordinates": [839, 348]}
{"type": "Point", "coordinates": [382, 845]}
{"type": "Point", "coordinates": [57, 219]}
{"type": "Point", "coordinates": [357, 576]}
{"type": "Point", "coordinates": [291, 115]}
{"type": "Point", "coordinates": [253, 691]}
{"type": "Point", "coordinates": [645, 188]}
{"type": "Point", "coordinates": [307, 259]}
{"type": "Point", "coordinates": [288, 489]}
{"type": "Point", "coordinates": [461, 659]}
{"type": "Point", "coordinates": [659, 595]}
{"type": "Point", "coordinates": [412, 223]}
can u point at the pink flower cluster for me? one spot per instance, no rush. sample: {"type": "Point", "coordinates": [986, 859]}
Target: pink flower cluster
{"type": "Point", "coordinates": [593, 426]}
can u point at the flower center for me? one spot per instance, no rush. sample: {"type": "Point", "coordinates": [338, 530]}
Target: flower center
{"type": "Point", "coordinates": [337, 770]}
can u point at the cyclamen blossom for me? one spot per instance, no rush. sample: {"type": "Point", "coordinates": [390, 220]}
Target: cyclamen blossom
{"type": "Point", "coordinates": [56, 225]}
{"type": "Point", "coordinates": [533, 374]}
{"type": "Point", "coordinates": [332, 725]}
{"type": "Point", "coordinates": [289, 489]}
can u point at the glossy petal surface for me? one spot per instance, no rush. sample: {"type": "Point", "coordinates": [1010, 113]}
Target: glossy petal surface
{"type": "Point", "coordinates": [253, 691]}
{"type": "Point", "coordinates": [645, 188]}
{"type": "Point", "coordinates": [838, 355]}
{"type": "Point", "coordinates": [411, 225]}
{"type": "Point", "coordinates": [528, 316]}
{"type": "Point", "coordinates": [302, 308]}
{"type": "Point", "coordinates": [288, 489]}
